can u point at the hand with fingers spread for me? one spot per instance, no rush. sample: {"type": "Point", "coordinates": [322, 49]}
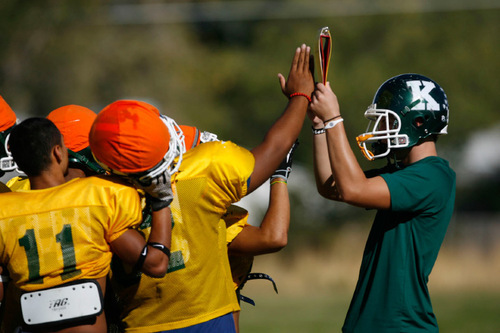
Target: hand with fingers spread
{"type": "Point", "coordinates": [300, 79]}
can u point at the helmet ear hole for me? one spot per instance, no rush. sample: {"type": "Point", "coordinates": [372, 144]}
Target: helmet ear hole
{"type": "Point", "coordinates": [419, 121]}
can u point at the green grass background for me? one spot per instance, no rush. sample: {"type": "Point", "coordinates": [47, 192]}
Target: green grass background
{"type": "Point", "coordinates": [462, 311]}
{"type": "Point", "coordinates": [316, 284]}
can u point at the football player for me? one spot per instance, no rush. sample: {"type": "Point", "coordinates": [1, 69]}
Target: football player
{"type": "Point", "coordinates": [197, 294]}
{"type": "Point", "coordinates": [74, 122]}
{"type": "Point", "coordinates": [244, 241]}
{"type": "Point", "coordinates": [414, 197]}
{"type": "Point", "coordinates": [58, 237]}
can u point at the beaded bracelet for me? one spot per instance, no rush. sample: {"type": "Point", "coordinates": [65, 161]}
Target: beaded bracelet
{"type": "Point", "coordinates": [317, 131]}
{"type": "Point", "coordinates": [300, 94]}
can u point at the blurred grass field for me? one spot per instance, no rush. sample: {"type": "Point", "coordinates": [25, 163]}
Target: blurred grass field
{"type": "Point", "coordinates": [315, 287]}
{"type": "Point", "coordinates": [461, 311]}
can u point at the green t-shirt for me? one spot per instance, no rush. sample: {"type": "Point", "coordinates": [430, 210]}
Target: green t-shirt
{"type": "Point", "coordinates": [391, 294]}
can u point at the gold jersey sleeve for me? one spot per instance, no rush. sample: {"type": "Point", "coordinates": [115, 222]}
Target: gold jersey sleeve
{"type": "Point", "coordinates": [56, 235]}
{"type": "Point", "coordinates": [236, 218]}
{"type": "Point", "coordinates": [198, 285]}
{"type": "Point", "coordinates": [19, 183]}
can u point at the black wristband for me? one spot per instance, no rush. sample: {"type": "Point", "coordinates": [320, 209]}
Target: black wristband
{"type": "Point", "coordinates": [160, 247]}
{"type": "Point", "coordinates": [142, 258]}
{"type": "Point", "coordinates": [327, 121]}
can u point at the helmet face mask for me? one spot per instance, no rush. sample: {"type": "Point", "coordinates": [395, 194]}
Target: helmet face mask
{"type": "Point", "coordinates": [405, 109]}
{"type": "Point", "coordinates": [7, 162]}
{"type": "Point", "coordinates": [173, 158]}
{"type": "Point", "coordinates": [382, 133]}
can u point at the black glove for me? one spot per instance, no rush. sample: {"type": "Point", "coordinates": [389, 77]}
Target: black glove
{"type": "Point", "coordinates": [159, 189]}
{"type": "Point", "coordinates": [285, 167]}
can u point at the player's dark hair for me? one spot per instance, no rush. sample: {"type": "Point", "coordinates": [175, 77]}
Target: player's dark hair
{"type": "Point", "coordinates": [31, 144]}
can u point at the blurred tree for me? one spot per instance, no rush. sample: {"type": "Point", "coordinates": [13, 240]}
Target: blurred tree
{"type": "Point", "coordinates": [221, 75]}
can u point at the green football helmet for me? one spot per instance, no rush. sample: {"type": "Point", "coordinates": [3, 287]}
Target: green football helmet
{"type": "Point", "coordinates": [84, 160]}
{"type": "Point", "coordinates": [406, 108]}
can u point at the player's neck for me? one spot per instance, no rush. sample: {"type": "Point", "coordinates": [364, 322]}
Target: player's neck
{"type": "Point", "coordinates": [74, 173]}
{"type": "Point", "coordinates": [421, 151]}
{"type": "Point", "coordinates": [48, 178]}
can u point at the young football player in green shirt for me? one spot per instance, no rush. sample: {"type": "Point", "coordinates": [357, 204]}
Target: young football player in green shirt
{"type": "Point", "coordinates": [414, 196]}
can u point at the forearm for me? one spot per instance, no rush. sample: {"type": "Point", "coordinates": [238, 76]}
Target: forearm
{"type": "Point", "coordinates": [276, 222]}
{"type": "Point", "coordinates": [131, 248]}
{"type": "Point", "coordinates": [272, 235]}
{"type": "Point", "coordinates": [161, 227]}
{"type": "Point", "coordinates": [351, 184]}
{"type": "Point", "coordinates": [349, 177]}
{"type": "Point", "coordinates": [278, 141]}
{"type": "Point", "coordinates": [156, 261]}
{"type": "Point", "coordinates": [283, 133]}
{"type": "Point", "coordinates": [323, 174]}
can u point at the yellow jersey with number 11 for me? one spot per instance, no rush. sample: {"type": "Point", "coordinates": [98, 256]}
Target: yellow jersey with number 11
{"type": "Point", "coordinates": [56, 235]}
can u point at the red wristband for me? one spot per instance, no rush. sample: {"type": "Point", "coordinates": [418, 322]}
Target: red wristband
{"type": "Point", "coordinates": [300, 94]}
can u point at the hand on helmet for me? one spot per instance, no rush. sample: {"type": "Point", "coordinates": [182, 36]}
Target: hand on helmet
{"type": "Point", "coordinates": [159, 189]}
{"type": "Point", "coordinates": [285, 167]}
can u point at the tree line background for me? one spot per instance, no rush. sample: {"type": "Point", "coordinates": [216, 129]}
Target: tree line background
{"type": "Point", "coordinates": [219, 72]}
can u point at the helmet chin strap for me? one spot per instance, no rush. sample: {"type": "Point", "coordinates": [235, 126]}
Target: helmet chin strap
{"type": "Point", "coordinates": [392, 160]}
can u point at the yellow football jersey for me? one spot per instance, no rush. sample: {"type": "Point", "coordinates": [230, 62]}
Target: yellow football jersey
{"type": "Point", "coordinates": [19, 183]}
{"type": "Point", "coordinates": [236, 219]}
{"type": "Point", "coordinates": [198, 286]}
{"type": "Point", "coordinates": [56, 235]}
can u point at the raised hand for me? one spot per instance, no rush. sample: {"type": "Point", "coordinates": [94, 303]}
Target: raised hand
{"type": "Point", "coordinates": [300, 78]}
{"type": "Point", "coordinates": [324, 103]}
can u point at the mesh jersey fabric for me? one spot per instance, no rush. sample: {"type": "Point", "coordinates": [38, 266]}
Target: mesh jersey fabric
{"type": "Point", "coordinates": [235, 220]}
{"type": "Point", "coordinates": [391, 293]}
{"type": "Point", "coordinates": [76, 220]}
{"type": "Point", "coordinates": [198, 286]}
